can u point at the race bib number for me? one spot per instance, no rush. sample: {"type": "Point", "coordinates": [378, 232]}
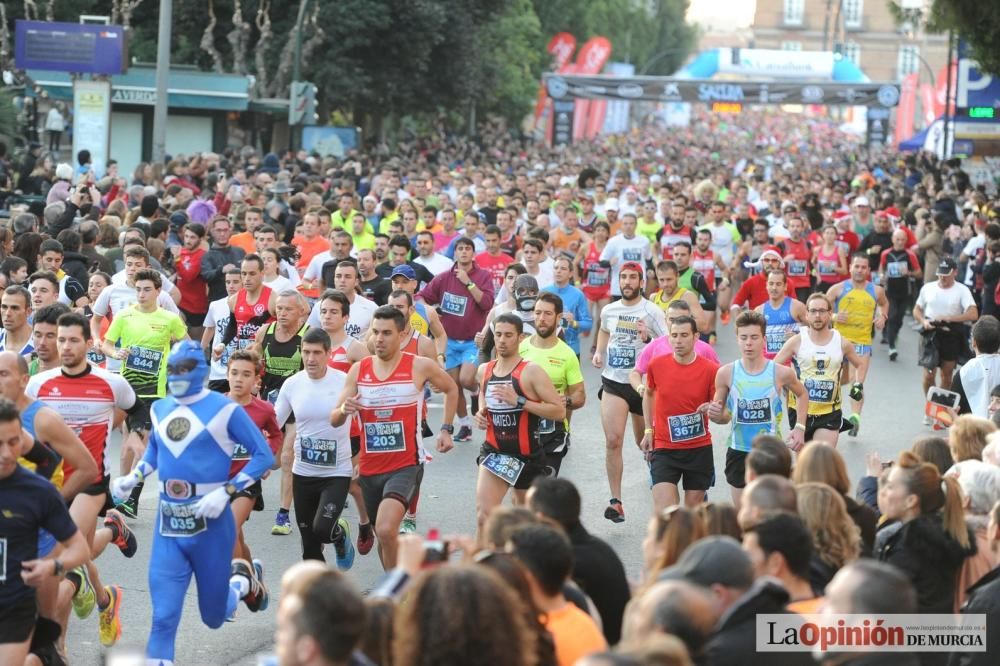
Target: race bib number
{"type": "Point", "coordinates": [598, 277]}
{"type": "Point", "coordinates": [632, 254]}
{"type": "Point", "coordinates": [3, 559]}
{"type": "Point", "coordinates": [272, 396]}
{"type": "Point", "coordinates": [454, 304]}
{"type": "Point", "coordinates": [821, 390]}
{"type": "Point", "coordinates": [827, 268]}
{"type": "Point", "coordinates": [504, 467]}
{"type": "Point", "coordinates": [96, 358]}
{"type": "Point", "coordinates": [546, 426]}
{"type": "Point", "coordinates": [753, 412]}
{"type": "Point", "coordinates": [895, 269]}
{"type": "Point", "coordinates": [178, 520]}
{"type": "Point", "coordinates": [775, 338]}
{"type": "Point", "coordinates": [384, 437]}
{"type": "Point", "coordinates": [621, 358]}
{"type": "Point", "coordinates": [321, 452]}
{"type": "Point", "coordinates": [240, 452]}
{"type": "Point", "coordinates": [686, 427]}
{"type": "Point", "coordinates": [798, 267]}
{"type": "Point", "coordinates": [144, 361]}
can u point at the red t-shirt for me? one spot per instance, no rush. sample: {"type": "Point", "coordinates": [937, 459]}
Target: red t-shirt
{"type": "Point", "coordinates": [677, 423]}
{"type": "Point", "coordinates": [194, 290]}
{"type": "Point", "coordinates": [262, 414]}
{"type": "Point", "coordinates": [850, 239]}
{"type": "Point", "coordinates": [752, 292]}
{"type": "Point", "coordinates": [497, 266]}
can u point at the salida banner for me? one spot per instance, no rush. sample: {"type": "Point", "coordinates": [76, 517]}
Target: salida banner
{"type": "Point", "coordinates": [667, 89]}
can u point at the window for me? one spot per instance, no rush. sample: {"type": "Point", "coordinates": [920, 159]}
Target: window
{"type": "Point", "coordinates": [793, 11]}
{"type": "Point", "coordinates": [791, 46]}
{"type": "Point", "coordinates": [908, 61]}
{"type": "Point", "coordinates": [852, 51]}
{"type": "Point", "coordinates": [853, 10]}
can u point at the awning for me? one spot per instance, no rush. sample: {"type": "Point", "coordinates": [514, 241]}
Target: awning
{"type": "Point", "coordinates": [186, 89]}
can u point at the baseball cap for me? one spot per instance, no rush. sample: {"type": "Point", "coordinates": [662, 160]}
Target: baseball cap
{"type": "Point", "coordinates": [947, 265]}
{"type": "Point", "coordinates": [714, 560]}
{"type": "Point", "coordinates": [633, 266]}
{"type": "Point", "coordinates": [405, 271]}
{"type": "Point", "coordinates": [861, 201]}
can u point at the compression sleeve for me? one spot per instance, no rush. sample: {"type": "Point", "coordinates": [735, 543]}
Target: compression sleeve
{"type": "Point", "coordinates": [242, 429]}
{"type": "Point", "coordinates": [230, 333]}
{"type": "Point", "coordinates": [45, 459]}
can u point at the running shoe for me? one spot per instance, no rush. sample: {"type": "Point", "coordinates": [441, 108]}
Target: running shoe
{"type": "Point", "coordinates": [366, 538]}
{"type": "Point", "coordinates": [85, 598]}
{"type": "Point", "coordinates": [343, 548]}
{"type": "Point", "coordinates": [110, 627]}
{"type": "Point", "coordinates": [855, 425]}
{"type": "Point", "coordinates": [258, 570]}
{"type": "Point", "coordinates": [464, 434]}
{"type": "Point", "coordinates": [615, 511]}
{"type": "Point", "coordinates": [893, 354]}
{"type": "Point", "coordinates": [724, 317]}
{"type": "Point", "coordinates": [408, 526]}
{"type": "Point", "coordinates": [125, 540]}
{"type": "Point", "coordinates": [257, 598]}
{"type": "Point", "coordinates": [129, 508]}
{"type": "Point", "coordinates": [712, 338]}
{"type": "Point", "coordinates": [282, 524]}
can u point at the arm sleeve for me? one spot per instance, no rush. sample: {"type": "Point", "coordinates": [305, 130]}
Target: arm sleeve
{"type": "Point", "coordinates": [430, 294]}
{"type": "Point", "coordinates": [868, 491]}
{"type": "Point", "coordinates": [211, 267]}
{"type": "Point", "coordinates": [963, 401]}
{"type": "Point", "coordinates": [583, 315]}
{"type": "Point", "coordinates": [242, 429]}
{"type": "Point", "coordinates": [742, 294]}
{"type": "Point", "coordinates": [701, 286]}
{"type": "Point", "coordinates": [485, 283]}
{"type": "Point", "coordinates": [642, 363]}
{"type": "Point", "coordinates": [100, 306]}
{"type": "Point", "coordinates": [230, 333]}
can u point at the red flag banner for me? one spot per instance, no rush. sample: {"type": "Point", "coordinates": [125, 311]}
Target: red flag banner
{"type": "Point", "coordinates": [589, 61]}
{"type": "Point", "coordinates": [561, 48]}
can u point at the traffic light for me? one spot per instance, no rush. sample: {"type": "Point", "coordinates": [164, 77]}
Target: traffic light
{"type": "Point", "coordinates": [302, 103]}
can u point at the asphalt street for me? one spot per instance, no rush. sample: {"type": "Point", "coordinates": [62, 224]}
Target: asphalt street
{"type": "Point", "coordinates": [891, 420]}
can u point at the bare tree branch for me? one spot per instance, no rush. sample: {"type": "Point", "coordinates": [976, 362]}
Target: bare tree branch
{"type": "Point", "coordinates": [126, 9]}
{"type": "Point", "coordinates": [4, 38]}
{"type": "Point", "coordinates": [30, 10]}
{"type": "Point", "coordinates": [208, 40]}
{"type": "Point", "coordinates": [263, 22]}
{"type": "Point", "coordinates": [238, 37]}
{"type": "Point", "coordinates": [50, 12]}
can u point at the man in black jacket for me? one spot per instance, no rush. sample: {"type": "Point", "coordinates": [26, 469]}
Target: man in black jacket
{"type": "Point", "coordinates": [596, 567]}
{"type": "Point", "coordinates": [220, 258]}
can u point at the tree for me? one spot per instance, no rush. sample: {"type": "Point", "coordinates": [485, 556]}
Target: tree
{"type": "Point", "coordinates": [970, 21]}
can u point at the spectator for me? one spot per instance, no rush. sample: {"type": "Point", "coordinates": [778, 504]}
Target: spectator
{"type": "Point", "coordinates": [465, 599]}
{"type": "Point", "coordinates": [376, 642]}
{"type": "Point", "coordinates": [870, 588]}
{"type": "Point", "coordinates": [89, 233]}
{"type": "Point", "coordinates": [768, 455]}
{"type": "Point", "coordinates": [669, 534]}
{"type": "Point", "coordinates": [764, 495]}
{"type": "Point", "coordinates": [720, 565]}
{"type": "Point", "coordinates": [967, 437]}
{"type": "Point", "coordinates": [597, 569]}
{"type": "Point", "coordinates": [220, 258]}
{"type": "Point", "coordinates": [933, 541]}
{"type": "Point", "coordinates": [984, 597]}
{"type": "Point", "coordinates": [321, 623]}
{"type": "Point", "coordinates": [980, 483]}
{"type": "Point", "coordinates": [675, 608]}
{"type": "Point", "coordinates": [976, 380]}
{"type": "Point", "coordinates": [74, 263]}
{"type": "Point", "coordinates": [934, 450]}
{"type": "Point", "coordinates": [548, 558]}
{"type": "Point", "coordinates": [824, 464]}
{"type": "Point", "coordinates": [780, 546]}
{"type": "Point", "coordinates": [836, 538]}
{"type": "Point", "coordinates": [194, 290]}
{"type": "Point", "coordinates": [720, 519]}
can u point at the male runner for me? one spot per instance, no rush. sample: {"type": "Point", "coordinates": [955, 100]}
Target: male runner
{"type": "Point", "coordinates": [243, 373]}
{"type": "Point", "coordinates": [693, 281]}
{"type": "Point", "coordinates": [797, 253]}
{"type": "Point", "coordinates": [782, 313]}
{"type": "Point", "coordinates": [464, 295]}
{"type": "Point", "coordinates": [625, 247]}
{"type": "Point", "coordinates": [819, 352]}
{"type": "Point", "coordinates": [677, 441]}
{"type": "Point", "coordinates": [576, 319]}
{"type": "Point", "coordinates": [725, 240]}
{"type": "Point", "coordinates": [145, 333]}
{"type": "Point", "coordinates": [191, 446]}
{"type": "Point", "coordinates": [278, 343]}
{"type": "Point", "coordinates": [252, 307]}
{"type": "Point", "coordinates": [424, 320]}
{"type": "Point", "coordinates": [858, 303]}
{"type": "Point", "coordinates": [216, 322]}
{"type": "Point", "coordinates": [517, 396]}
{"type": "Point", "coordinates": [322, 469]}
{"type": "Point", "coordinates": [562, 365]}
{"type": "Point", "coordinates": [86, 397]}
{"type": "Point", "coordinates": [748, 393]}
{"type": "Point", "coordinates": [627, 326]}
{"type": "Point", "coordinates": [897, 265]}
{"type": "Point", "coordinates": [345, 280]}
{"type": "Point", "coordinates": [30, 505]}
{"type": "Point", "coordinates": [708, 263]}
{"type": "Point", "coordinates": [44, 288]}
{"type": "Point", "coordinates": [667, 277]}
{"type": "Point", "coordinates": [675, 231]}
{"type": "Point", "coordinates": [387, 390]}
{"type": "Point", "coordinates": [15, 311]}
{"type": "Point", "coordinates": [45, 336]}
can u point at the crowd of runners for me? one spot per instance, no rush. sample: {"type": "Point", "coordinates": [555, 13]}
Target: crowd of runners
{"type": "Point", "coordinates": [244, 320]}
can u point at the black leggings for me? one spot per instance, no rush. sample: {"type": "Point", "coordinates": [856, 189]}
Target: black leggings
{"type": "Point", "coordinates": [319, 500]}
{"type": "Point", "coordinates": [894, 320]}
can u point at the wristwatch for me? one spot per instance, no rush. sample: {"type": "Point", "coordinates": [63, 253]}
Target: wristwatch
{"type": "Point", "coordinates": [448, 428]}
{"type": "Point", "coordinates": [521, 401]}
{"type": "Point", "coordinates": [230, 489]}
{"type": "Point", "coordinates": [470, 285]}
{"type": "Point", "coordinates": [58, 569]}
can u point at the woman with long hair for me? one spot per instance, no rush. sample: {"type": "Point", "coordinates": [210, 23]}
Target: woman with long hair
{"type": "Point", "coordinates": [823, 464]}
{"type": "Point", "coordinates": [967, 437]}
{"type": "Point", "coordinates": [26, 247]}
{"type": "Point", "coordinates": [668, 535]}
{"type": "Point", "coordinates": [836, 539]}
{"type": "Point", "coordinates": [720, 519]}
{"type": "Point", "coordinates": [933, 540]}
{"type": "Point", "coordinates": [6, 242]}
{"type": "Point", "coordinates": [272, 271]}
{"type": "Point", "coordinates": [442, 621]}
{"type": "Point", "coordinates": [376, 642]}
{"type": "Point", "coordinates": [596, 279]}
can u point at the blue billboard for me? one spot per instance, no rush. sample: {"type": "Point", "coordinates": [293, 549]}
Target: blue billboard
{"type": "Point", "coordinates": [70, 47]}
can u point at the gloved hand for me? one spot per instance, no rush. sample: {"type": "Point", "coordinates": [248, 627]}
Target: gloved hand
{"type": "Point", "coordinates": [212, 505]}
{"type": "Point", "coordinates": [123, 485]}
{"type": "Point", "coordinates": [857, 391]}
